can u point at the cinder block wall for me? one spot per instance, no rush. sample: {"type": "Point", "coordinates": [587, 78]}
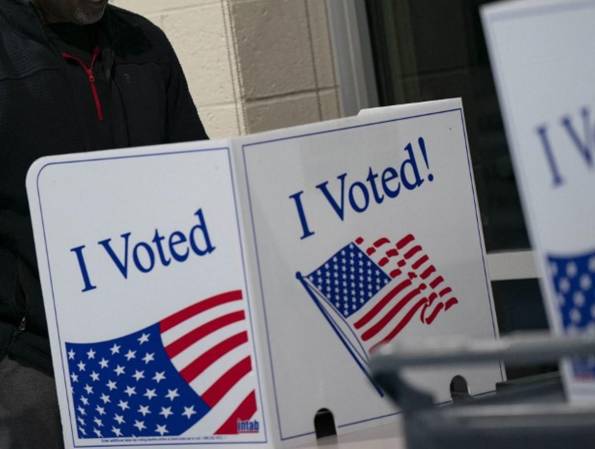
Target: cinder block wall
{"type": "Point", "coordinates": [252, 65]}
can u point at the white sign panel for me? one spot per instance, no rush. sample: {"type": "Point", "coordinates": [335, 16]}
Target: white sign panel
{"type": "Point", "coordinates": [222, 293]}
{"type": "Point", "coordinates": [146, 297]}
{"type": "Point", "coordinates": [541, 54]}
{"type": "Point", "coordinates": [369, 233]}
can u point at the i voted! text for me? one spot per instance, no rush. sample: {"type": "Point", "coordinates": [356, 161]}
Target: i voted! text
{"type": "Point", "coordinates": [345, 195]}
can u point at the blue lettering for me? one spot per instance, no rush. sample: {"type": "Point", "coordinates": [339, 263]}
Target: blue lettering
{"type": "Point", "coordinates": [158, 241]}
{"type": "Point", "coordinates": [122, 265]}
{"type": "Point", "coordinates": [137, 259]}
{"type": "Point", "coordinates": [174, 240]}
{"type": "Point", "coordinates": [297, 198]}
{"type": "Point", "coordinates": [583, 142]}
{"type": "Point", "coordinates": [388, 175]}
{"type": "Point", "coordinates": [410, 163]}
{"type": "Point", "coordinates": [201, 227]}
{"type": "Point", "coordinates": [584, 146]}
{"type": "Point", "coordinates": [378, 197]}
{"type": "Point", "coordinates": [83, 267]}
{"type": "Point", "coordinates": [549, 154]}
{"type": "Point", "coordinates": [361, 193]}
{"type": "Point", "coordinates": [338, 208]}
{"type": "Point", "coordinates": [364, 195]}
{"type": "Point", "coordinates": [161, 249]}
{"type": "Point", "coordinates": [422, 146]}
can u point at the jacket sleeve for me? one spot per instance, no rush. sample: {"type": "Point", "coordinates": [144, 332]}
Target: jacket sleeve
{"type": "Point", "coordinates": [182, 121]}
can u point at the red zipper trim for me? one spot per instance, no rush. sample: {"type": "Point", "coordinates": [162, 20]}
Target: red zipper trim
{"type": "Point", "coordinates": [91, 77]}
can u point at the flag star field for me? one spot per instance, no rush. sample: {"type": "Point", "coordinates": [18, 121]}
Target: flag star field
{"type": "Point", "coordinates": [573, 278]}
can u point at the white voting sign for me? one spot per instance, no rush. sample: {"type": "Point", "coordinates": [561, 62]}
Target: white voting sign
{"type": "Point", "coordinates": [374, 236]}
{"type": "Point", "coordinates": [541, 53]}
{"type": "Point", "coordinates": [146, 297]}
{"type": "Point", "coordinates": [221, 293]}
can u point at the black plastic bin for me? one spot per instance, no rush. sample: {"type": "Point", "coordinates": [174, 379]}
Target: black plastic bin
{"type": "Point", "coordinates": [520, 415]}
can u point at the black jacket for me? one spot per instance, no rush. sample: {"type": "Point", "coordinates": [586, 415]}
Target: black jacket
{"type": "Point", "coordinates": [148, 101]}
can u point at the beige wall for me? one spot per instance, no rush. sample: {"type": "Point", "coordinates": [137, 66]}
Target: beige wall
{"type": "Point", "coordinates": [252, 65]}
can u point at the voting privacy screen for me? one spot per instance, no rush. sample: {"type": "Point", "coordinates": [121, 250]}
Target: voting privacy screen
{"type": "Point", "coordinates": [220, 293]}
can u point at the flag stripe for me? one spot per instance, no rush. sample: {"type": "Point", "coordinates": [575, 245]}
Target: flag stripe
{"type": "Point", "coordinates": [243, 413]}
{"type": "Point", "coordinates": [392, 253]}
{"type": "Point", "coordinates": [205, 360]}
{"type": "Point", "coordinates": [214, 419]}
{"type": "Point", "coordinates": [381, 241]}
{"type": "Point", "coordinates": [201, 319]}
{"type": "Point", "coordinates": [405, 241]}
{"type": "Point", "coordinates": [372, 331]}
{"type": "Point", "coordinates": [380, 304]}
{"type": "Point", "coordinates": [209, 376]}
{"type": "Point", "coordinates": [226, 382]}
{"type": "Point", "coordinates": [189, 312]}
{"type": "Point", "coordinates": [186, 357]}
{"type": "Point", "coordinates": [445, 291]}
{"type": "Point", "coordinates": [192, 337]}
{"type": "Point", "coordinates": [434, 313]}
{"type": "Point", "coordinates": [396, 272]}
{"type": "Point", "coordinates": [436, 281]}
{"type": "Point", "coordinates": [431, 269]}
{"type": "Point", "coordinates": [451, 302]}
{"type": "Point", "coordinates": [419, 262]}
{"type": "Point", "coordinates": [401, 324]}
{"type": "Point", "coordinates": [376, 245]}
{"type": "Point", "coordinates": [412, 252]}
{"type": "Point", "coordinates": [426, 309]}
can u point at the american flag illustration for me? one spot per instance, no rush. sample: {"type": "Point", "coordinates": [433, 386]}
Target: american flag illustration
{"type": "Point", "coordinates": [370, 292]}
{"type": "Point", "coordinates": [573, 279]}
{"type": "Point", "coordinates": [192, 368]}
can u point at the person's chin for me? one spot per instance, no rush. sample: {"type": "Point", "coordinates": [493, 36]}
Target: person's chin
{"type": "Point", "coordinates": [91, 12]}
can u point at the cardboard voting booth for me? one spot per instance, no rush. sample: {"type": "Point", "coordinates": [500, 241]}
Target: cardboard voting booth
{"type": "Point", "coordinates": [220, 293]}
{"type": "Point", "coordinates": [541, 53]}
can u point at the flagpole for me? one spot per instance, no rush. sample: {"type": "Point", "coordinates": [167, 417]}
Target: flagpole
{"type": "Point", "coordinates": [300, 278]}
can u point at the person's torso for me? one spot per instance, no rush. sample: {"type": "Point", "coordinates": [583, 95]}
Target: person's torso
{"type": "Point", "coordinates": [48, 107]}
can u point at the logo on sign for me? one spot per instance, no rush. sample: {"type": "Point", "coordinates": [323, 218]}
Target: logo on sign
{"type": "Point", "coordinates": [248, 426]}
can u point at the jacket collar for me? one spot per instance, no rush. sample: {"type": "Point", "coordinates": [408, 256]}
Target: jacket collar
{"type": "Point", "coordinates": [26, 19]}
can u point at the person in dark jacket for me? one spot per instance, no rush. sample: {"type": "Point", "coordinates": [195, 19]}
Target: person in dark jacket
{"type": "Point", "coordinates": [75, 75]}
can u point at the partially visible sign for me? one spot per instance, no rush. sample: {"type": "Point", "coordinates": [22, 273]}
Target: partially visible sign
{"type": "Point", "coordinates": [542, 56]}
